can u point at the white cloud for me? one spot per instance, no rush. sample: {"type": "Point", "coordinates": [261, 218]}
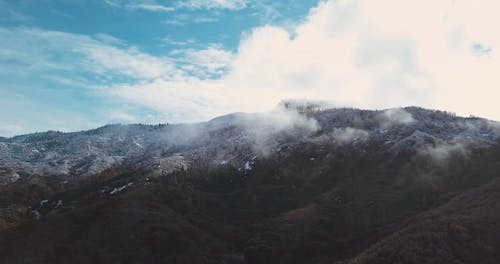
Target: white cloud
{"type": "Point", "coordinates": [112, 3]}
{"type": "Point", "coordinates": [185, 19]}
{"type": "Point", "coordinates": [395, 116]}
{"type": "Point", "coordinates": [264, 129]}
{"type": "Point", "coordinates": [209, 62]}
{"type": "Point", "coordinates": [213, 4]}
{"type": "Point", "coordinates": [188, 100]}
{"type": "Point", "coordinates": [348, 135]}
{"type": "Point", "coordinates": [61, 51]}
{"type": "Point", "coordinates": [151, 7]}
{"type": "Point", "coordinates": [7, 13]}
{"type": "Point", "coordinates": [267, 12]}
{"type": "Point", "coordinates": [156, 6]}
{"type": "Point", "coordinates": [108, 39]}
{"type": "Point", "coordinates": [170, 41]}
{"type": "Point", "coordinates": [442, 152]}
{"type": "Point", "coordinates": [369, 54]}
{"type": "Point", "coordinates": [130, 62]}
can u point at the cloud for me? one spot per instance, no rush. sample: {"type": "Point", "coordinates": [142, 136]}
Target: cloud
{"type": "Point", "coordinates": [108, 39]}
{"type": "Point", "coordinates": [151, 7]}
{"type": "Point", "coordinates": [368, 54]}
{"type": "Point", "coordinates": [58, 74]}
{"type": "Point", "coordinates": [212, 61]}
{"type": "Point", "coordinates": [348, 134]}
{"type": "Point", "coordinates": [7, 13]}
{"type": "Point", "coordinates": [170, 86]}
{"type": "Point", "coordinates": [185, 19]}
{"type": "Point", "coordinates": [60, 51]}
{"type": "Point", "coordinates": [265, 129]}
{"type": "Point", "coordinates": [353, 53]}
{"type": "Point", "coordinates": [130, 62]}
{"type": "Point", "coordinates": [441, 153]}
{"type": "Point", "coordinates": [213, 4]}
{"type": "Point", "coordinates": [170, 41]}
{"type": "Point", "coordinates": [395, 116]}
{"type": "Point", "coordinates": [481, 50]}
{"type": "Point", "coordinates": [268, 12]}
{"type": "Point", "coordinates": [156, 6]}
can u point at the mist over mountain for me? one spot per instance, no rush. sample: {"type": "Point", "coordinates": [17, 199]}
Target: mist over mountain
{"type": "Point", "coordinates": [304, 183]}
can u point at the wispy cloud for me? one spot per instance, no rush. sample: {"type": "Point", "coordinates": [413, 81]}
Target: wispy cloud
{"type": "Point", "coordinates": [118, 71]}
{"type": "Point", "coordinates": [185, 19]}
{"type": "Point", "coordinates": [213, 61]}
{"type": "Point", "coordinates": [170, 41]}
{"type": "Point", "coordinates": [108, 39]}
{"type": "Point", "coordinates": [129, 62]}
{"type": "Point", "coordinates": [151, 7]}
{"type": "Point", "coordinates": [481, 50]}
{"type": "Point", "coordinates": [268, 12]}
{"type": "Point", "coordinates": [155, 6]}
{"type": "Point", "coordinates": [7, 13]}
{"type": "Point", "coordinates": [395, 116]}
{"type": "Point", "coordinates": [213, 4]}
{"type": "Point", "coordinates": [61, 51]}
{"type": "Point", "coordinates": [201, 20]}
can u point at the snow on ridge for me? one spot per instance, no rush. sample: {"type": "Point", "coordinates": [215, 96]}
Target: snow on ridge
{"type": "Point", "coordinates": [230, 138]}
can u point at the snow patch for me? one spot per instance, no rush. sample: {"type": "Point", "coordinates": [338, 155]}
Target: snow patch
{"type": "Point", "coordinates": [137, 144]}
{"type": "Point", "coordinates": [36, 214]}
{"type": "Point", "coordinates": [249, 164]}
{"type": "Point", "coordinates": [166, 166]}
{"type": "Point", "coordinates": [248, 167]}
{"type": "Point", "coordinates": [119, 189]}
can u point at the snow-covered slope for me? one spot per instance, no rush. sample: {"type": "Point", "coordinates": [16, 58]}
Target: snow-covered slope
{"type": "Point", "coordinates": [233, 139]}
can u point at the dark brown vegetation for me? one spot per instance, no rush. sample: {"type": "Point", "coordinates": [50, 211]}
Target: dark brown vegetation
{"type": "Point", "coordinates": [313, 204]}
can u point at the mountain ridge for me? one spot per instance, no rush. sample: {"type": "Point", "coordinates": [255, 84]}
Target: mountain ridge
{"type": "Point", "coordinates": [235, 115]}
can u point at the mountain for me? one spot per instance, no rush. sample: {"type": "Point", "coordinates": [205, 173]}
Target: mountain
{"type": "Point", "coordinates": [300, 184]}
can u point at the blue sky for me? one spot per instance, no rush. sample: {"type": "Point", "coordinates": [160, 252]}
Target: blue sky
{"type": "Point", "coordinates": [77, 64]}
